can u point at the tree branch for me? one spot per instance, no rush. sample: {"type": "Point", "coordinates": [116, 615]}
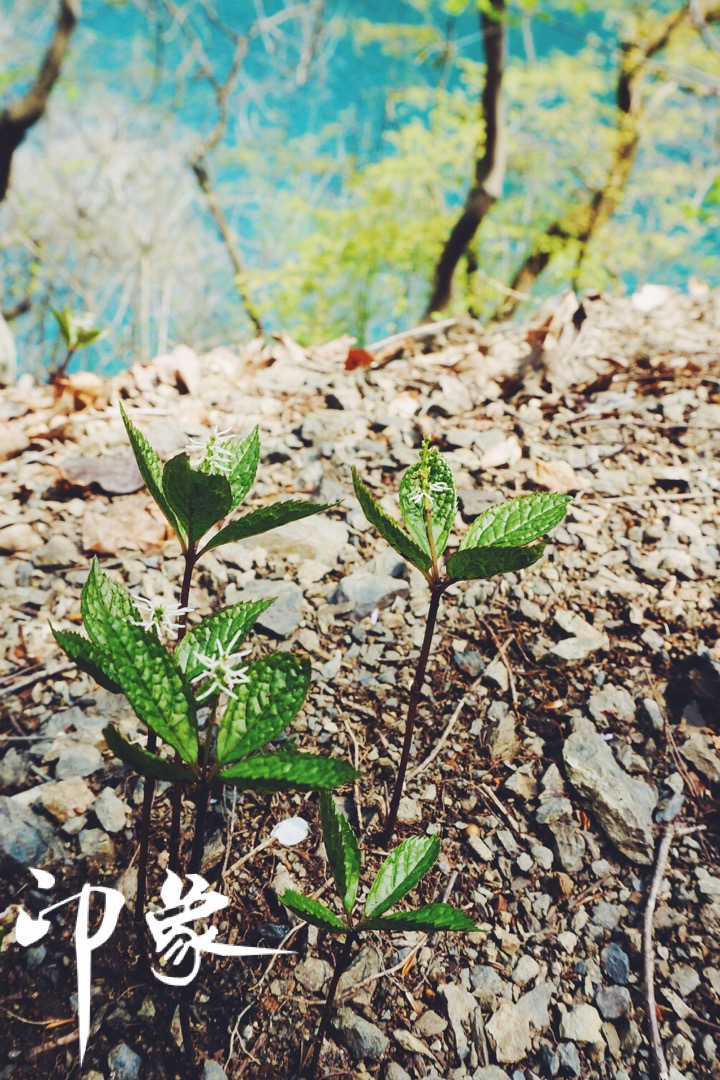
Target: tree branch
{"type": "Point", "coordinates": [581, 224]}
{"type": "Point", "coordinates": [19, 117]}
{"type": "Point", "coordinates": [489, 167]}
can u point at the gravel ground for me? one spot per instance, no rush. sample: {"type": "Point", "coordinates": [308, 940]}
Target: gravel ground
{"type": "Point", "coordinates": [577, 703]}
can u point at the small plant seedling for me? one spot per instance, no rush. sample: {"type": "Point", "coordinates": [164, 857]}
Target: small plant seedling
{"type": "Point", "coordinates": [77, 331]}
{"type": "Point", "coordinates": [167, 688]}
{"type": "Point", "coordinates": [399, 874]}
{"type": "Point", "coordinates": [505, 538]}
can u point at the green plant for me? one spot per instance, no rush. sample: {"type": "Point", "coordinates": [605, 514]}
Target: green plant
{"type": "Point", "coordinates": [170, 688]}
{"type": "Point", "coordinates": [77, 331]}
{"type": "Point", "coordinates": [505, 538]}
{"type": "Point", "coordinates": [399, 873]}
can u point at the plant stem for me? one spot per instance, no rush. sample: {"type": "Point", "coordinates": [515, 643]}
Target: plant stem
{"type": "Point", "coordinates": [175, 858]}
{"type": "Point", "coordinates": [437, 589]}
{"type": "Point", "coordinates": [340, 967]}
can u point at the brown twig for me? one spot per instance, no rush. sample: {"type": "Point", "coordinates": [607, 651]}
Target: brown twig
{"type": "Point", "coordinates": [649, 957]}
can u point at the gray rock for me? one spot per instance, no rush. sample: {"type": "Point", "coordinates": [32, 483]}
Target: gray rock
{"type": "Point", "coordinates": [311, 538]}
{"type": "Point", "coordinates": [613, 1002]}
{"type": "Point", "coordinates": [96, 844]}
{"type": "Point", "coordinates": [79, 759]}
{"type": "Point", "coordinates": [490, 1072]}
{"type": "Point", "coordinates": [393, 1071]}
{"type": "Point", "coordinates": [14, 769]}
{"type": "Point", "coordinates": [615, 964]}
{"type": "Point", "coordinates": [525, 970]}
{"type": "Point", "coordinates": [366, 592]}
{"type": "Point", "coordinates": [500, 734]}
{"type": "Point", "coordinates": [606, 915]}
{"type": "Point", "coordinates": [550, 1060]}
{"type": "Point", "coordinates": [284, 616]}
{"type": "Point", "coordinates": [553, 809]}
{"type": "Point", "coordinates": [534, 1006]}
{"type": "Point", "coordinates": [363, 1039]}
{"type": "Point", "coordinates": [699, 751]}
{"type": "Point", "coordinates": [569, 845]}
{"type": "Point", "coordinates": [124, 1063]}
{"type": "Point", "coordinates": [584, 640]}
{"type": "Point", "coordinates": [611, 700]}
{"type": "Point", "coordinates": [487, 985]}
{"type": "Point", "coordinates": [680, 1052]}
{"type": "Point", "coordinates": [110, 811]}
{"type": "Point", "coordinates": [543, 856]}
{"type": "Point", "coordinates": [582, 1024]}
{"type": "Point", "coordinates": [213, 1071]}
{"type": "Point", "coordinates": [624, 806]}
{"type": "Point", "coordinates": [509, 1030]}
{"type": "Point", "coordinates": [685, 979]}
{"type": "Point", "coordinates": [25, 839]}
{"type": "Point", "coordinates": [313, 974]}
{"type": "Point", "coordinates": [569, 1059]}
{"type": "Point", "coordinates": [57, 553]}
{"type": "Point", "coordinates": [460, 1006]}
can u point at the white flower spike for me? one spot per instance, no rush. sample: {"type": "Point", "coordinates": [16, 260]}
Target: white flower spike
{"type": "Point", "coordinates": [161, 615]}
{"type": "Point", "coordinates": [212, 454]}
{"type": "Point", "coordinates": [222, 670]}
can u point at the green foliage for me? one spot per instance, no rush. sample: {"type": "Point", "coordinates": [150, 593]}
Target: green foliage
{"type": "Point", "coordinates": [497, 542]}
{"type": "Point", "coordinates": [265, 519]}
{"type": "Point", "coordinates": [398, 875]}
{"type": "Point", "coordinates": [197, 499]}
{"type": "Point", "coordinates": [264, 705]}
{"type": "Point", "coordinates": [142, 761]}
{"type": "Point", "coordinates": [389, 529]}
{"type": "Point", "coordinates": [428, 491]}
{"type": "Point", "coordinates": [225, 629]}
{"type": "Point", "coordinates": [517, 522]}
{"type": "Point", "coordinates": [401, 871]}
{"type": "Point", "coordinates": [313, 912]}
{"type": "Point", "coordinates": [151, 470]}
{"type": "Point", "coordinates": [342, 850]}
{"type": "Point", "coordinates": [288, 771]}
{"type": "Point", "coordinates": [77, 331]}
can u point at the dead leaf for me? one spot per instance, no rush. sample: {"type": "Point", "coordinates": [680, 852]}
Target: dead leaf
{"type": "Point", "coordinates": [114, 476]}
{"type": "Point", "coordinates": [126, 524]}
{"type": "Point", "coordinates": [358, 358]}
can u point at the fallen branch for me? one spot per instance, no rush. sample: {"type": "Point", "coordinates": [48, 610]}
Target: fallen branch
{"type": "Point", "coordinates": [656, 1046]}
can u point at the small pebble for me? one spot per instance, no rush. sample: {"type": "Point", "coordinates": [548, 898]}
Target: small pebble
{"type": "Point", "coordinates": [616, 964]}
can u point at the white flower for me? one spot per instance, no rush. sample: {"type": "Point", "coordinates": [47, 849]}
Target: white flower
{"type": "Point", "coordinates": [419, 496]}
{"type": "Point", "coordinates": [161, 615]}
{"type": "Point", "coordinates": [212, 453]}
{"type": "Point", "coordinates": [222, 670]}
{"type": "Point", "coordinates": [291, 831]}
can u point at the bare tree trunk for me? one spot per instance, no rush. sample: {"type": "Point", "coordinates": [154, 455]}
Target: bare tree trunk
{"type": "Point", "coordinates": [489, 167]}
{"type": "Point", "coordinates": [17, 119]}
{"type": "Point", "coordinates": [581, 224]}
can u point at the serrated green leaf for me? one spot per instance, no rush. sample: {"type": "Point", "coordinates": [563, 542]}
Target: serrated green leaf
{"type": "Point", "coordinates": [62, 319]}
{"type": "Point", "coordinates": [485, 562]}
{"type": "Point", "coordinates": [151, 470]}
{"type": "Point", "coordinates": [226, 628]}
{"type": "Point", "coordinates": [313, 912]}
{"type": "Point", "coordinates": [401, 872]}
{"type": "Point", "coordinates": [238, 463]}
{"type": "Point", "coordinates": [342, 850]}
{"type": "Point", "coordinates": [429, 918]}
{"type": "Point", "coordinates": [154, 686]}
{"type": "Point", "coordinates": [263, 706]}
{"type": "Point", "coordinates": [517, 522]}
{"type": "Point", "coordinates": [288, 771]}
{"type": "Point", "coordinates": [102, 599]}
{"type": "Point", "coordinates": [389, 529]}
{"type": "Point", "coordinates": [142, 761]}
{"type": "Point", "coordinates": [429, 483]}
{"type": "Point", "coordinates": [198, 499]}
{"type": "Point", "coordinates": [86, 337]}
{"type": "Point", "coordinates": [265, 519]}
{"type": "Point", "coordinates": [88, 657]}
